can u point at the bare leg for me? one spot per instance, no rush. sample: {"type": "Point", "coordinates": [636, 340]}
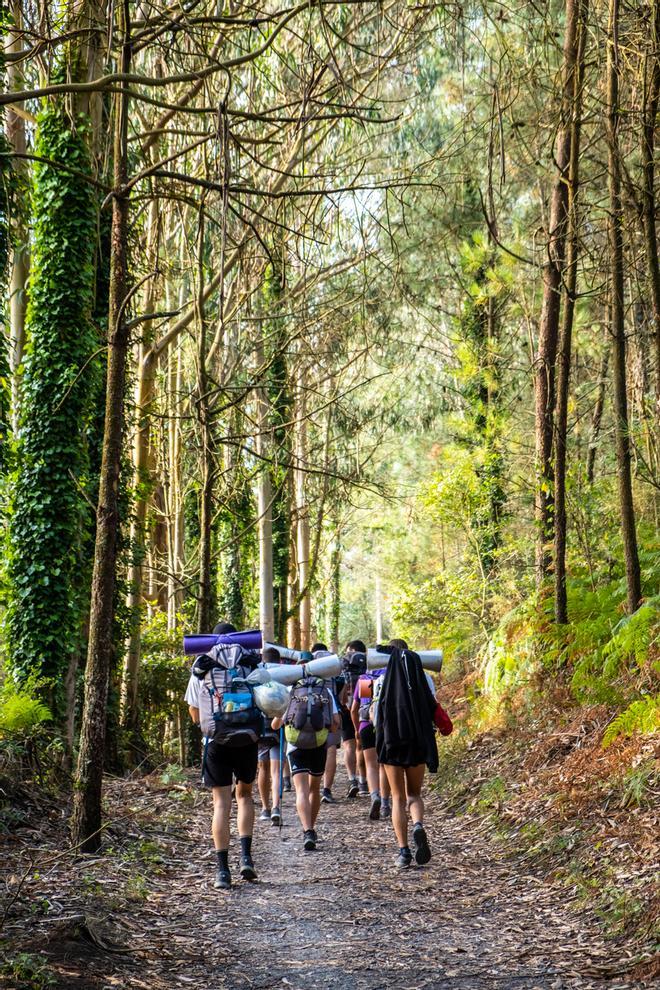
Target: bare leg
{"type": "Point", "coordinates": [350, 759]}
{"type": "Point", "coordinates": [245, 809]}
{"type": "Point", "coordinates": [384, 784]}
{"type": "Point", "coordinates": [301, 782]}
{"type": "Point", "coordinates": [397, 781]}
{"type": "Point", "coordinates": [314, 799]}
{"type": "Point", "coordinates": [372, 770]}
{"type": "Point", "coordinates": [414, 781]}
{"type": "Point", "coordinates": [264, 779]}
{"type": "Point", "coordinates": [330, 767]}
{"type": "Point", "coordinates": [275, 783]}
{"type": "Point", "coordinates": [361, 768]}
{"type": "Point", "coordinates": [221, 813]}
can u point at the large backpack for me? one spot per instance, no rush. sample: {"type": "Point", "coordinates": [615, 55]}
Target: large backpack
{"type": "Point", "coordinates": [308, 718]}
{"type": "Point", "coordinates": [377, 688]}
{"type": "Point", "coordinates": [365, 687]}
{"type": "Point", "coordinates": [228, 713]}
{"type": "Point", "coordinates": [354, 665]}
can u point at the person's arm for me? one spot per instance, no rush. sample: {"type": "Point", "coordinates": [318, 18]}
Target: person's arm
{"type": "Point", "coordinates": [194, 713]}
{"type": "Point", "coordinates": [277, 723]}
{"type": "Point", "coordinates": [355, 715]}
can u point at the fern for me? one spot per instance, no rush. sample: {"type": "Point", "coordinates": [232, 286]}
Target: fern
{"type": "Point", "coordinates": [21, 710]}
{"type": "Point", "coordinates": [642, 717]}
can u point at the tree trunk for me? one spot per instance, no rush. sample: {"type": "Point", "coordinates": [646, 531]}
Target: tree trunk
{"type": "Point", "coordinates": [651, 102]}
{"type": "Point", "coordinates": [302, 518]}
{"type": "Point", "coordinates": [597, 416]}
{"type": "Point", "coordinates": [566, 334]}
{"type": "Point", "coordinates": [86, 815]}
{"type": "Point", "coordinates": [205, 601]}
{"type": "Point", "coordinates": [544, 383]}
{"type": "Point", "coordinates": [334, 596]}
{"type": "Point", "coordinates": [265, 511]}
{"type": "Point", "coordinates": [20, 252]}
{"type": "Point", "coordinates": [617, 315]}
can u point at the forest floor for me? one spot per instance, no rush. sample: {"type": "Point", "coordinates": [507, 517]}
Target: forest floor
{"type": "Point", "coordinates": [480, 916]}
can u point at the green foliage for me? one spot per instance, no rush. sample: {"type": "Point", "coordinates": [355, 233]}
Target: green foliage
{"type": "Point", "coordinates": [27, 971]}
{"type": "Point", "coordinates": [163, 679]}
{"type": "Point", "coordinates": [21, 710]}
{"type": "Point", "coordinates": [49, 512]}
{"type": "Point", "coordinates": [641, 717]}
{"type": "Point", "coordinates": [639, 782]}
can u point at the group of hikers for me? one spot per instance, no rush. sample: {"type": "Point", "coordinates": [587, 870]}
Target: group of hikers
{"type": "Point", "coordinates": [384, 720]}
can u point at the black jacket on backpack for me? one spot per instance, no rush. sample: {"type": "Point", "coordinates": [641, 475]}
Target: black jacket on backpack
{"type": "Point", "coordinates": [405, 736]}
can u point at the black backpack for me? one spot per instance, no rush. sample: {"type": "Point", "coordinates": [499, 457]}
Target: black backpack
{"type": "Point", "coordinates": [354, 665]}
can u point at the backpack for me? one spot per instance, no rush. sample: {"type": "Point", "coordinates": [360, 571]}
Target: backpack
{"type": "Point", "coordinates": [227, 710]}
{"type": "Point", "coordinates": [365, 686]}
{"type": "Point", "coordinates": [308, 718]}
{"type": "Point", "coordinates": [354, 666]}
{"type": "Point", "coordinates": [377, 690]}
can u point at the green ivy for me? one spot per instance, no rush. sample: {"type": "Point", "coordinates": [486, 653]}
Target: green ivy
{"type": "Point", "coordinates": [50, 511]}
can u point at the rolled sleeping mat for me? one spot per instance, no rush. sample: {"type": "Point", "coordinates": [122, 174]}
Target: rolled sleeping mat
{"type": "Point", "coordinates": [197, 643]}
{"type": "Point", "coordinates": [291, 673]}
{"type": "Point", "coordinates": [431, 659]}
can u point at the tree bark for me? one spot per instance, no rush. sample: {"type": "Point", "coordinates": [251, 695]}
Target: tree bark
{"type": "Point", "coordinates": [597, 417]}
{"type": "Point", "coordinates": [617, 316]}
{"type": "Point", "coordinates": [544, 382]}
{"type": "Point", "coordinates": [302, 518]}
{"type": "Point", "coordinates": [566, 332]}
{"type": "Point", "coordinates": [651, 103]}
{"type": "Point", "coordinates": [86, 815]}
{"type": "Point", "coordinates": [265, 511]}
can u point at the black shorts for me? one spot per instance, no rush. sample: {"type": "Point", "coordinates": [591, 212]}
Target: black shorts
{"type": "Point", "coordinates": [347, 727]}
{"type": "Point", "coordinates": [310, 761]}
{"type": "Point", "coordinates": [223, 764]}
{"type": "Point", "coordinates": [368, 737]}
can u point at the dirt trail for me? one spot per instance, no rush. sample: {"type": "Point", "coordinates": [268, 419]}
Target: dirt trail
{"type": "Point", "coordinates": [340, 918]}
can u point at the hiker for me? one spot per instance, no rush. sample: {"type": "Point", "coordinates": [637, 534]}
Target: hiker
{"type": "Point", "coordinates": [405, 744]}
{"type": "Point", "coordinates": [363, 713]}
{"type": "Point", "coordinates": [268, 778]}
{"type": "Point", "coordinates": [311, 716]}
{"type": "Point", "coordinates": [336, 686]}
{"type": "Point", "coordinates": [354, 664]}
{"type": "Point", "coordinates": [230, 750]}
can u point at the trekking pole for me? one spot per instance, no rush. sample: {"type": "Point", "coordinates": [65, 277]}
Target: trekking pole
{"type": "Point", "coordinates": [281, 773]}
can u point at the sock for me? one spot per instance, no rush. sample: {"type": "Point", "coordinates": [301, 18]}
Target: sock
{"type": "Point", "coordinates": [417, 825]}
{"type": "Point", "coordinates": [386, 802]}
{"type": "Point", "coordinates": [223, 859]}
{"type": "Point", "coordinates": [361, 780]}
{"type": "Point", "coordinates": [374, 795]}
{"type": "Point", "coordinates": [405, 851]}
{"type": "Point", "coordinates": [246, 845]}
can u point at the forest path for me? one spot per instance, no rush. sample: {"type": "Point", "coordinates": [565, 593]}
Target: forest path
{"type": "Point", "coordinates": [339, 918]}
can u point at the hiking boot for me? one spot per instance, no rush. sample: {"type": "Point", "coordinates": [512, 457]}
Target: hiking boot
{"type": "Point", "coordinates": [386, 809]}
{"type": "Point", "coordinates": [404, 859]}
{"type": "Point", "coordinates": [421, 844]}
{"type": "Point", "coordinates": [286, 784]}
{"type": "Point", "coordinates": [248, 871]}
{"type": "Point", "coordinates": [276, 816]}
{"type": "Point", "coordinates": [353, 789]}
{"type": "Point", "coordinates": [326, 796]}
{"type": "Point", "coordinates": [314, 834]}
{"type": "Point", "coordinates": [363, 789]}
{"type": "Point", "coordinates": [374, 810]}
{"type": "Point", "coordinates": [222, 880]}
{"type": "Point", "coordinates": [265, 815]}
{"type": "Point", "coordinates": [309, 837]}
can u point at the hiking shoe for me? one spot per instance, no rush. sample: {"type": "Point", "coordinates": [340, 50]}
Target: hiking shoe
{"type": "Point", "coordinates": [276, 816]}
{"type": "Point", "coordinates": [421, 844]}
{"type": "Point", "coordinates": [248, 871]}
{"type": "Point", "coordinates": [353, 789]}
{"type": "Point", "coordinates": [326, 796]}
{"type": "Point", "coordinates": [363, 789]}
{"type": "Point", "coordinates": [265, 815]}
{"type": "Point", "coordinates": [386, 809]}
{"type": "Point", "coordinates": [374, 810]}
{"type": "Point", "coordinates": [314, 834]}
{"type": "Point", "coordinates": [309, 840]}
{"type": "Point", "coordinates": [286, 784]}
{"type": "Point", "coordinates": [404, 859]}
{"type": "Point", "coordinates": [222, 880]}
